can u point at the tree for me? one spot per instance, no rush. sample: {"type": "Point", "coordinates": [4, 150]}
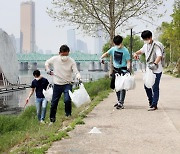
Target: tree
{"type": "Point", "coordinates": [137, 42]}
{"type": "Point", "coordinates": [106, 47]}
{"type": "Point", "coordinates": [170, 36]}
{"type": "Point", "coordinates": [108, 15]}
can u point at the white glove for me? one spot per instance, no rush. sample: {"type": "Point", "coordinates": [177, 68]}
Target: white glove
{"type": "Point", "coordinates": [78, 76]}
{"type": "Point", "coordinates": [50, 72]}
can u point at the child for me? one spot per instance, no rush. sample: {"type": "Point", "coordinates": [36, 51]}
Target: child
{"type": "Point", "coordinates": [121, 64]}
{"type": "Point", "coordinates": [38, 84]}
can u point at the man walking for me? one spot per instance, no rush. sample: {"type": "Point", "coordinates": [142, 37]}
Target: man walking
{"type": "Point", "coordinates": [63, 69]}
{"type": "Point", "coordinates": [153, 54]}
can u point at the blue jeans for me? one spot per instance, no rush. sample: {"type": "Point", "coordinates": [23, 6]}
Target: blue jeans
{"type": "Point", "coordinates": [41, 104]}
{"type": "Point", "coordinates": [57, 92]}
{"type": "Point", "coordinates": [153, 94]}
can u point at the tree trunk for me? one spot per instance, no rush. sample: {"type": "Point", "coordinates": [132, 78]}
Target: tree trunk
{"type": "Point", "coordinates": [112, 30]}
{"type": "Point", "coordinates": [178, 66]}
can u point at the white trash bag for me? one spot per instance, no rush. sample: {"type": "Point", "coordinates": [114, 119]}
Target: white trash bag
{"type": "Point", "coordinates": [48, 92]}
{"type": "Point", "coordinates": [80, 96]}
{"type": "Point", "coordinates": [129, 82]}
{"type": "Point", "coordinates": [119, 82]}
{"type": "Point", "coordinates": [149, 78]}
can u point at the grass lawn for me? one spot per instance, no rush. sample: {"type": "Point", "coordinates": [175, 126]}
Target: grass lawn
{"type": "Point", "coordinates": [23, 133]}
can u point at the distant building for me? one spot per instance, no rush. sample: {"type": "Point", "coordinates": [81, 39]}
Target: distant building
{"type": "Point", "coordinates": [98, 42]}
{"type": "Point", "coordinates": [27, 32]}
{"type": "Point", "coordinates": [82, 46]}
{"type": "Point", "coordinates": [48, 52]}
{"type": "Point", "coordinates": [40, 51]}
{"type": "Point", "coordinates": [18, 49]}
{"type": "Point", "coordinates": [71, 39]}
{"type": "Point", "coordinates": [13, 40]}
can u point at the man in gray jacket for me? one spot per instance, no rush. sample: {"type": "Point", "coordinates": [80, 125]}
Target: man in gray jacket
{"type": "Point", "coordinates": [63, 69]}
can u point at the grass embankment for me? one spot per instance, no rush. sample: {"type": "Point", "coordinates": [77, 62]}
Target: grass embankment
{"type": "Point", "coordinates": [24, 134]}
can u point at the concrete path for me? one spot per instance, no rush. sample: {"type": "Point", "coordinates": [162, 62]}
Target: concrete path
{"type": "Point", "coordinates": [133, 130]}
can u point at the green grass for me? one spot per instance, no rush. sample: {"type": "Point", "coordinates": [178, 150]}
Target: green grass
{"type": "Point", "coordinates": [24, 134]}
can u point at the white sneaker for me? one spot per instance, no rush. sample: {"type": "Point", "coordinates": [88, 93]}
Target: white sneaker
{"type": "Point", "coordinates": [51, 123]}
{"type": "Point", "coordinates": [42, 122]}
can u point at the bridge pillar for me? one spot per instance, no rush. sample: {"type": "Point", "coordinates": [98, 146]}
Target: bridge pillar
{"type": "Point", "coordinates": [23, 66]}
{"type": "Point", "coordinates": [78, 66]}
{"type": "Point", "coordinates": [105, 67]}
{"type": "Point", "coordinates": [99, 66]}
{"type": "Point", "coordinates": [34, 66]}
{"type": "Point", "coordinates": [91, 66]}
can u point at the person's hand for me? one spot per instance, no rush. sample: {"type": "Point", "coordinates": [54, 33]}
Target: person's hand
{"type": "Point", "coordinates": [50, 72]}
{"type": "Point", "coordinates": [101, 60]}
{"type": "Point", "coordinates": [27, 100]}
{"type": "Point", "coordinates": [78, 76]}
{"type": "Point", "coordinates": [135, 55]}
{"type": "Point", "coordinates": [153, 66]}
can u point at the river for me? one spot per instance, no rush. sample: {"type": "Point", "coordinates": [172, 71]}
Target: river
{"type": "Point", "coordinates": [14, 102]}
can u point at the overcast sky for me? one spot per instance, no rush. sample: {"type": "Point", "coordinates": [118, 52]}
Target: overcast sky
{"type": "Point", "coordinates": [50, 37]}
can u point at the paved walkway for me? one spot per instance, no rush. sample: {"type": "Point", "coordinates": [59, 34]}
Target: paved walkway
{"type": "Point", "coordinates": [133, 130]}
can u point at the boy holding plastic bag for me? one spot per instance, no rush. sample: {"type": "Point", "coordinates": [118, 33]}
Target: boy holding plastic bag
{"type": "Point", "coordinates": [121, 64]}
{"type": "Point", "coordinates": [63, 69]}
{"type": "Point", "coordinates": [153, 53]}
{"type": "Point", "coordinates": [38, 85]}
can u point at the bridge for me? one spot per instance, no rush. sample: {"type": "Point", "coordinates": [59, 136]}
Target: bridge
{"type": "Point", "coordinates": [37, 57]}
{"type": "Point", "coordinates": [33, 58]}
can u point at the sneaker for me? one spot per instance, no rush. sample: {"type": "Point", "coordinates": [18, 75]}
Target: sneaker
{"type": "Point", "coordinates": [116, 105]}
{"type": "Point", "coordinates": [119, 106]}
{"type": "Point", "coordinates": [153, 108]}
{"type": "Point", "coordinates": [42, 122]}
{"type": "Point", "coordinates": [51, 123]}
{"type": "Point", "coordinates": [68, 115]}
{"type": "Point", "coordinates": [122, 106]}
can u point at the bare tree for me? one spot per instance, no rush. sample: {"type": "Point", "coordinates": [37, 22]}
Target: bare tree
{"type": "Point", "coordinates": [108, 14]}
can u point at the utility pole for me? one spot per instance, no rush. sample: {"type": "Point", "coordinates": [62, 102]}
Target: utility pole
{"type": "Point", "coordinates": [131, 48]}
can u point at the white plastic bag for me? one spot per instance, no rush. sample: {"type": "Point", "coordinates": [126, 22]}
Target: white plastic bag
{"type": "Point", "coordinates": [80, 96]}
{"type": "Point", "coordinates": [149, 78]}
{"type": "Point", "coordinates": [129, 82]}
{"type": "Point", "coordinates": [48, 92]}
{"type": "Point", "coordinates": [119, 82]}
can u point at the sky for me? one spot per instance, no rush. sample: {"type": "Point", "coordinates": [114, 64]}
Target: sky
{"type": "Point", "coordinates": [49, 36]}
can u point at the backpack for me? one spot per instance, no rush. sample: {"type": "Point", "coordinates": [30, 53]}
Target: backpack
{"type": "Point", "coordinates": [160, 45]}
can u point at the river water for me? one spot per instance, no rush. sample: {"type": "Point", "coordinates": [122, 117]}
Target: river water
{"type": "Point", "coordinates": [14, 102]}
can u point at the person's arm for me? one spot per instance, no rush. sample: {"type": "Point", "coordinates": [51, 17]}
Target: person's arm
{"type": "Point", "coordinates": [47, 65]}
{"type": "Point", "coordinates": [158, 59]}
{"type": "Point", "coordinates": [105, 55]}
{"type": "Point", "coordinates": [75, 71]}
{"type": "Point", "coordinates": [137, 53]}
{"type": "Point", "coordinates": [30, 94]}
{"type": "Point", "coordinates": [128, 64]}
{"type": "Point", "coordinates": [158, 55]}
{"type": "Point", "coordinates": [46, 85]}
